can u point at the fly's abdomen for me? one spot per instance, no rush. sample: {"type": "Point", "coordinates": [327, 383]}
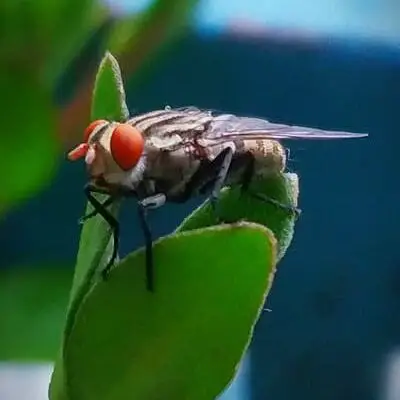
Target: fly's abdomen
{"type": "Point", "coordinates": [269, 155]}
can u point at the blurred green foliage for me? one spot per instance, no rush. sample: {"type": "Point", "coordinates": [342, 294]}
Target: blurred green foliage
{"type": "Point", "coordinates": [39, 41]}
{"type": "Point", "coordinates": [44, 35]}
{"type": "Point", "coordinates": [32, 309]}
{"type": "Point", "coordinates": [28, 141]}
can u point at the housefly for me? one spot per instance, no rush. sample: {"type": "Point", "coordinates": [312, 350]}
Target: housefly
{"type": "Point", "coordinates": [171, 155]}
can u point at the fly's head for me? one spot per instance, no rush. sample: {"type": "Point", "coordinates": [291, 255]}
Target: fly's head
{"type": "Point", "coordinates": [114, 154]}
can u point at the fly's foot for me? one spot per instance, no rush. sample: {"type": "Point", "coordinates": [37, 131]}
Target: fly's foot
{"type": "Point", "coordinates": [105, 273]}
{"type": "Point", "coordinates": [83, 219]}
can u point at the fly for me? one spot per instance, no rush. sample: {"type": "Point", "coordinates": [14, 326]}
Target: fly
{"type": "Point", "coordinates": [171, 155]}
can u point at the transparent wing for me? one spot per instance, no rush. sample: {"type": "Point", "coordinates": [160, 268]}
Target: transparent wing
{"type": "Point", "coordinates": [230, 127]}
{"type": "Point", "coordinates": [173, 128]}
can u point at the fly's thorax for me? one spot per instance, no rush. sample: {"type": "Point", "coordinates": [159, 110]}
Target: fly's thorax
{"type": "Point", "coordinates": [269, 155]}
{"type": "Point", "coordinates": [171, 170]}
{"type": "Point", "coordinates": [188, 160]}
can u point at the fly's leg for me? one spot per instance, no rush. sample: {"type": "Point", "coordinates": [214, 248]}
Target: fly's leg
{"type": "Point", "coordinates": [211, 175]}
{"type": "Point", "coordinates": [222, 163]}
{"type": "Point", "coordinates": [145, 204]}
{"type": "Point", "coordinates": [93, 213]}
{"type": "Point", "coordinates": [113, 223]}
{"type": "Point", "coordinates": [285, 207]}
{"type": "Point", "coordinates": [248, 174]}
{"type": "Point", "coordinates": [116, 194]}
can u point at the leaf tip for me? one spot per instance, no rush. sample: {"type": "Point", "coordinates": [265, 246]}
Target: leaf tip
{"type": "Point", "coordinates": [109, 57]}
{"type": "Point", "coordinates": [111, 102]}
{"type": "Point", "coordinates": [109, 61]}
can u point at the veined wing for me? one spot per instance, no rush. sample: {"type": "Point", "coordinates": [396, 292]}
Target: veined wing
{"type": "Point", "coordinates": [170, 128]}
{"type": "Point", "coordinates": [230, 127]}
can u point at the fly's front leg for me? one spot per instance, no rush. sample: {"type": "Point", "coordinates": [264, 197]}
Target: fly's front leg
{"type": "Point", "coordinates": [116, 194]}
{"type": "Point", "coordinates": [151, 202]}
{"type": "Point", "coordinates": [110, 200]}
{"type": "Point", "coordinates": [113, 223]}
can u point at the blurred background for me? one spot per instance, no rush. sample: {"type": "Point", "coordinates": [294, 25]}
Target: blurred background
{"type": "Point", "coordinates": [333, 331]}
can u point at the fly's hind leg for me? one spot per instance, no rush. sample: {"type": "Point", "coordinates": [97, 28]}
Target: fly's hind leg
{"type": "Point", "coordinates": [247, 177]}
{"type": "Point", "coordinates": [284, 207]}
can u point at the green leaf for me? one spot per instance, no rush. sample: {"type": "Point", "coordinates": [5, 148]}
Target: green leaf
{"type": "Point", "coordinates": [185, 340]}
{"type": "Point", "coordinates": [235, 206]}
{"type": "Point", "coordinates": [95, 245]}
{"type": "Point", "coordinates": [29, 148]}
{"type": "Point", "coordinates": [109, 94]}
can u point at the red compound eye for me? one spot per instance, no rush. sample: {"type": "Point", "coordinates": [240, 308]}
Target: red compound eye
{"type": "Point", "coordinates": [126, 146]}
{"type": "Point", "coordinates": [92, 126]}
